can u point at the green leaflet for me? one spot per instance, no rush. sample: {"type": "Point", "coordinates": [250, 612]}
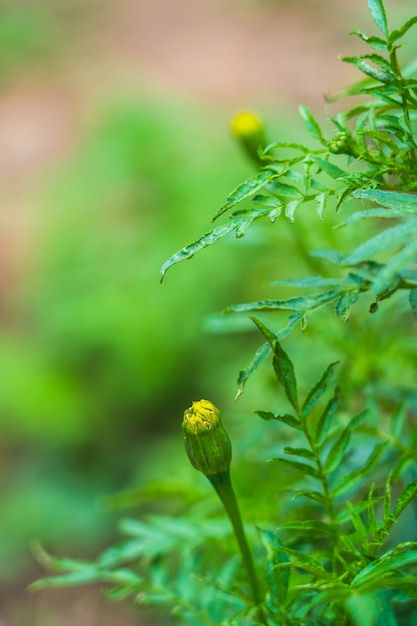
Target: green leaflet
{"type": "Point", "coordinates": [408, 495]}
{"type": "Point", "coordinates": [287, 419]}
{"type": "Point", "coordinates": [282, 364]}
{"type": "Point", "coordinates": [311, 124]}
{"type": "Point", "coordinates": [206, 240]}
{"type": "Point", "coordinates": [312, 526]}
{"type": "Point", "coordinates": [306, 562]}
{"type": "Point", "coordinates": [394, 236]}
{"type": "Point", "coordinates": [397, 34]}
{"type": "Point", "coordinates": [245, 190]}
{"type": "Point", "coordinates": [263, 351]}
{"type": "Point", "coordinates": [318, 389]}
{"type": "Point", "coordinates": [338, 448]}
{"type": "Point", "coordinates": [362, 63]}
{"type": "Point", "coordinates": [345, 303]}
{"type": "Point", "coordinates": [377, 11]}
{"type": "Point", "coordinates": [375, 42]}
{"type": "Point", "coordinates": [390, 199]}
{"type": "Point", "coordinates": [301, 304]}
{"type": "Point", "coordinates": [387, 275]}
{"type": "Point", "coordinates": [305, 453]}
{"type": "Point", "coordinates": [302, 467]}
{"type": "Point", "coordinates": [325, 418]}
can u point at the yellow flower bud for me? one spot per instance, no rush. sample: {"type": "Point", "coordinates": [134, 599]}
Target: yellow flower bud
{"type": "Point", "coordinates": [249, 131]}
{"type": "Point", "coordinates": [206, 440]}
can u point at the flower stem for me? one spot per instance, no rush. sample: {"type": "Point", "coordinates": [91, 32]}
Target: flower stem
{"type": "Point", "coordinates": [223, 486]}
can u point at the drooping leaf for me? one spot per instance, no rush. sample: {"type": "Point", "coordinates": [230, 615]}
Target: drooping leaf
{"type": "Point", "coordinates": [318, 389]}
{"type": "Point", "coordinates": [377, 11]}
{"type": "Point", "coordinates": [345, 303]}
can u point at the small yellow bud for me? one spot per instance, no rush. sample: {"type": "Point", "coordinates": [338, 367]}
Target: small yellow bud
{"type": "Point", "coordinates": [249, 131]}
{"type": "Point", "coordinates": [206, 440]}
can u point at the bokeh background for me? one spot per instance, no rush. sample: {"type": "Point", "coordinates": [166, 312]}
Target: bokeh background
{"type": "Point", "coordinates": [115, 151]}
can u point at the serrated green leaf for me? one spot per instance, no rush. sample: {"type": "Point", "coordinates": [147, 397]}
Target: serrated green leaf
{"type": "Point", "coordinates": [302, 467]}
{"type": "Point", "coordinates": [390, 199]}
{"type": "Point", "coordinates": [300, 304]}
{"type": "Point", "coordinates": [305, 453]}
{"type": "Point", "coordinates": [377, 11]}
{"type": "Point", "coordinates": [206, 240]}
{"type": "Point", "coordinates": [387, 499]}
{"type": "Point", "coordinates": [381, 213]}
{"type": "Point", "coordinates": [245, 190]}
{"type": "Point", "coordinates": [394, 236]}
{"type": "Point", "coordinates": [283, 190]}
{"type": "Point", "coordinates": [277, 578]}
{"type": "Point", "coordinates": [345, 303]}
{"type": "Point", "coordinates": [408, 494]}
{"type": "Point", "coordinates": [311, 124]}
{"type": "Point", "coordinates": [397, 34]}
{"type": "Point", "coordinates": [318, 389]}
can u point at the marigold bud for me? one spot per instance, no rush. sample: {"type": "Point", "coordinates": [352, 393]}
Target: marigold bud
{"type": "Point", "coordinates": [206, 440]}
{"type": "Point", "coordinates": [249, 131]}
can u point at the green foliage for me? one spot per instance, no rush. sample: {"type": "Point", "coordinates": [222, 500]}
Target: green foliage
{"type": "Point", "coordinates": [334, 543]}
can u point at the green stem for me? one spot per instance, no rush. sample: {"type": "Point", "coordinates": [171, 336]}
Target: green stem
{"type": "Point", "coordinates": [223, 486]}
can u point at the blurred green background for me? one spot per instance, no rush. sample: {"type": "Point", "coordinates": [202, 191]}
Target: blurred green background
{"type": "Point", "coordinates": [114, 152]}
